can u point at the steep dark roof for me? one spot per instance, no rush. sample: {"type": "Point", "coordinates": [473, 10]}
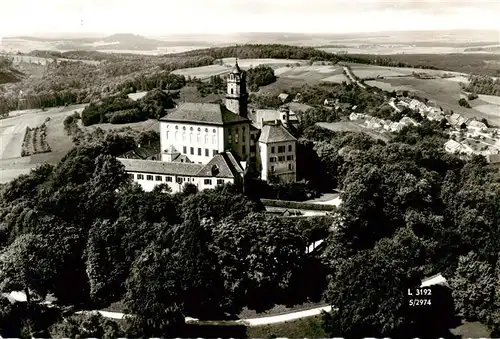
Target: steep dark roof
{"type": "Point", "coordinates": [171, 150]}
{"type": "Point", "coordinates": [212, 114]}
{"type": "Point", "coordinates": [236, 68]}
{"type": "Point", "coordinates": [143, 152]}
{"type": "Point", "coordinates": [160, 167]}
{"type": "Point", "coordinates": [181, 158]}
{"type": "Point", "coordinates": [225, 164]}
{"type": "Point", "coordinates": [275, 133]}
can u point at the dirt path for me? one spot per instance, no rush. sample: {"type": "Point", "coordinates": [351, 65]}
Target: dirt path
{"type": "Point", "coordinates": [281, 318]}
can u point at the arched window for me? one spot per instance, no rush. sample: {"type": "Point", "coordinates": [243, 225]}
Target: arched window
{"type": "Point", "coordinates": [198, 138]}
{"type": "Point", "coordinates": [206, 130]}
{"type": "Point", "coordinates": [215, 131]}
{"type": "Point", "coordinates": [184, 128]}
{"type": "Point", "coordinates": [199, 129]}
{"type": "Point", "coordinates": [191, 138]}
{"type": "Point", "coordinates": [176, 127]}
{"type": "Point", "coordinates": [206, 139]}
{"type": "Point", "coordinates": [214, 139]}
{"type": "Point", "coordinates": [167, 135]}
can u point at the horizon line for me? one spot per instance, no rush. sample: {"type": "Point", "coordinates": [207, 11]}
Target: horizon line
{"type": "Point", "coordinates": [41, 34]}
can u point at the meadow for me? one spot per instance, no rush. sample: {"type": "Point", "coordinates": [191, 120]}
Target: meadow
{"type": "Point", "coordinates": [13, 130]}
{"type": "Point", "coordinates": [370, 71]}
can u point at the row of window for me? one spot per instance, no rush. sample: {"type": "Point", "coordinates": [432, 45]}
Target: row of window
{"type": "Point", "coordinates": [170, 179]}
{"type": "Point", "coordinates": [282, 149]}
{"type": "Point", "coordinates": [177, 137]}
{"type": "Point", "coordinates": [199, 151]}
{"type": "Point", "coordinates": [290, 167]}
{"type": "Point", "coordinates": [281, 158]}
{"type": "Point", "coordinates": [192, 129]}
{"type": "Point", "coordinates": [150, 177]}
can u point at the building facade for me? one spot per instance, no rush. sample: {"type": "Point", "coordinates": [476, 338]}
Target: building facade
{"type": "Point", "coordinates": [278, 153]}
{"type": "Point", "coordinates": [195, 137]}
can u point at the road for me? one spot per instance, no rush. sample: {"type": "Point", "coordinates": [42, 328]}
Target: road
{"type": "Point", "coordinates": [281, 318]}
{"type": "Point", "coordinates": [352, 78]}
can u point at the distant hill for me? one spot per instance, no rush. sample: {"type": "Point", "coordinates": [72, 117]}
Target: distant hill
{"type": "Point", "coordinates": [121, 41]}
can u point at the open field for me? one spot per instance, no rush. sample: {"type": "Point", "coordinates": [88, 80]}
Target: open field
{"type": "Point", "coordinates": [296, 76]}
{"type": "Point", "coordinates": [204, 72]}
{"type": "Point", "coordinates": [349, 126]}
{"type": "Point", "coordinates": [370, 71]}
{"type": "Point", "coordinates": [12, 133]}
{"type": "Point", "coordinates": [338, 79]}
{"type": "Point", "coordinates": [471, 63]}
{"type": "Point", "coordinates": [400, 49]}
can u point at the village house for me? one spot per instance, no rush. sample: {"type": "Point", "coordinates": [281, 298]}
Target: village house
{"type": "Point", "coordinates": [298, 98]}
{"type": "Point", "coordinates": [211, 144]}
{"type": "Point", "coordinates": [477, 126]}
{"type": "Point", "coordinates": [417, 106]}
{"type": "Point", "coordinates": [435, 115]}
{"type": "Point", "coordinates": [394, 126]}
{"type": "Point", "coordinates": [373, 123]}
{"type": "Point", "coordinates": [456, 120]}
{"type": "Point", "coordinates": [357, 116]}
{"type": "Point", "coordinates": [452, 146]}
{"type": "Point", "coordinates": [408, 121]}
{"type": "Point", "coordinates": [284, 97]}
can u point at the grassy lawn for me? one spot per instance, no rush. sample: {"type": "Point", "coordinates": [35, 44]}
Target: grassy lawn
{"type": "Point", "coordinates": [303, 328]}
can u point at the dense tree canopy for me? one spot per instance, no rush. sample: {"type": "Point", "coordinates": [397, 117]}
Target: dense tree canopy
{"type": "Point", "coordinates": [260, 76]}
{"type": "Point", "coordinates": [482, 85]}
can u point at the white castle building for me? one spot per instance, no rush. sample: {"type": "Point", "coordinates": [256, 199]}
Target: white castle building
{"type": "Point", "coordinates": [212, 144]}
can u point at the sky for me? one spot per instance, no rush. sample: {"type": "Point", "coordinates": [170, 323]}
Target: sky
{"type": "Point", "coordinates": [160, 17]}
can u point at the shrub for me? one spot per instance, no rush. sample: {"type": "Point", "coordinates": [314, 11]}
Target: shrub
{"type": "Point", "coordinates": [260, 76]}
{"type": "Point", "coordinates": [472, 96]}
{"type": "Point", "coordinates": [127, 116]}
{"type": "Point", "coordinates": [464, 103]}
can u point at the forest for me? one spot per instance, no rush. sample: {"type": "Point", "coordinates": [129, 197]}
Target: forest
{"type": "Point", "coordinates": [120, 109]}
{"type": "Point", "coordinates": [482, 85]}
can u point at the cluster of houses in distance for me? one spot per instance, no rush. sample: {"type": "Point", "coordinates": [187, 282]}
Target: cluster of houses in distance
{"type": "Point", "coordinates": [467, 136]}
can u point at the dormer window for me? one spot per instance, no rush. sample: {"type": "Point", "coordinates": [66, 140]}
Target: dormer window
{"type": "Point", "coordinates": [215, 170]}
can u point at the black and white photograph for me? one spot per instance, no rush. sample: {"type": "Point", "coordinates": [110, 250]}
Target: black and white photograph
{"type": "Point", "coordinates": [250, 169]}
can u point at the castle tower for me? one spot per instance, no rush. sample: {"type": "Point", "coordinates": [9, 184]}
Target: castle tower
{"type": "Point", "coordinates": [237, 96]}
